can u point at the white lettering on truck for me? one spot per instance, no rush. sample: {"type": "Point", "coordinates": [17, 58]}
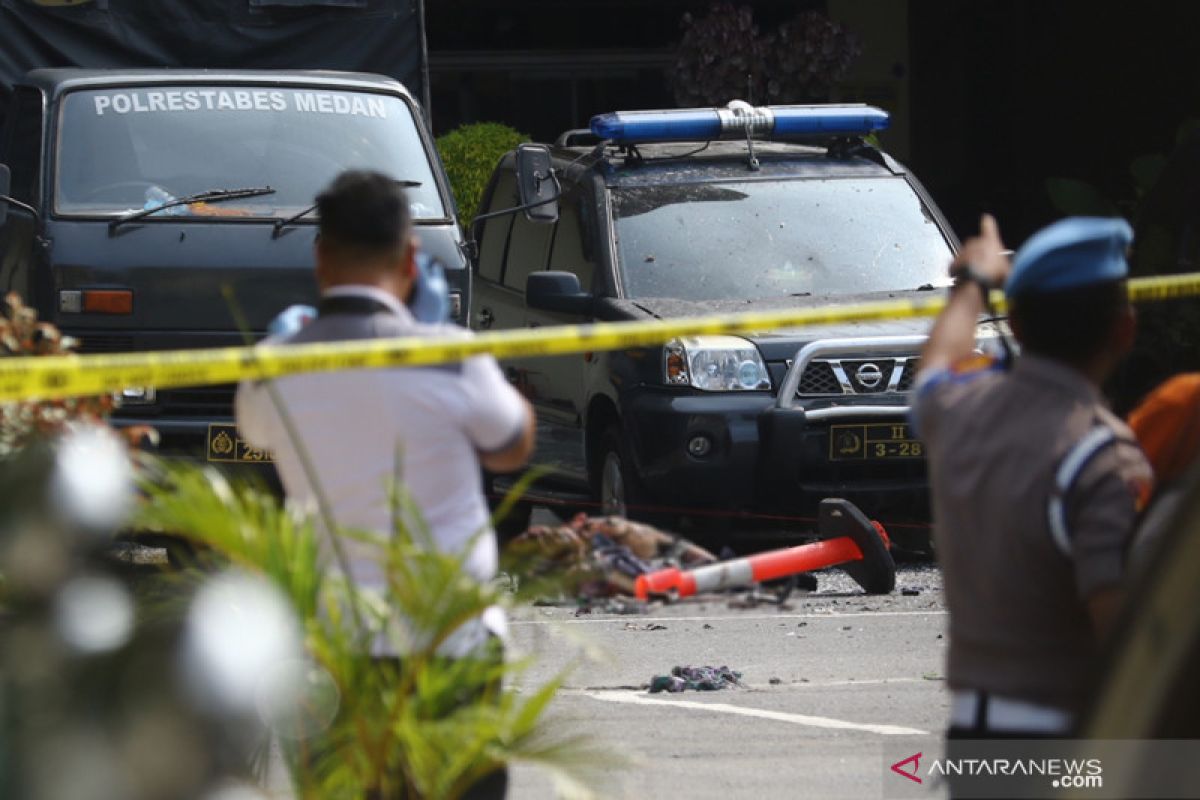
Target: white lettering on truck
{"type": "Point", "coordinates": [176, 100]}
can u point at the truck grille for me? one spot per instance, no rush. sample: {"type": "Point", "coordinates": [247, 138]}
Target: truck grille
{"type": "Point", "coordinates": [198, 401]}
{"type": "Point", "coordinates": [910, 374]}
{"type": "Point", "coordinates": [857, 376]}
{"type": "Point", "coordinates": [104, 343]}
{"type": "Point", "coordinates": [818, 378]}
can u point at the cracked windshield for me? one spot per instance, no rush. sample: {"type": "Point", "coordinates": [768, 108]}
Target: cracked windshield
{"type": "Point", "coordinates": [165, 143]}
{"type": "Point", "coordinates": [751, 240]}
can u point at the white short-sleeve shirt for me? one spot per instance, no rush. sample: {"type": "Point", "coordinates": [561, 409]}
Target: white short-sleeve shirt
{"type": "Point", "coordinates": [361, 429]}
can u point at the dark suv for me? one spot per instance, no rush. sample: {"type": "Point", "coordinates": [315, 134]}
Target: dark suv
{"type": "Point", "coordinates": [721, 431]}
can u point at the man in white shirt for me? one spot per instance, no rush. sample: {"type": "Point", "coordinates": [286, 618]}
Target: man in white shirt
{"type": "Point", "coordinates": [437, 425]}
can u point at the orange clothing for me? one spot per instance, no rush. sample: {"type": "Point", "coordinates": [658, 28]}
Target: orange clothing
{"type": "Point", "coordinates": [1167, 426]}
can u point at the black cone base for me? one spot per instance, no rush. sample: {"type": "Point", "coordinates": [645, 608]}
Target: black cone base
{"type": "Point", "coordinates": [876, 573]}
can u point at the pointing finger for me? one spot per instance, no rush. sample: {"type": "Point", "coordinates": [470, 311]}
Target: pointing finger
{"type": "Point", "coordinates": [988, 229]}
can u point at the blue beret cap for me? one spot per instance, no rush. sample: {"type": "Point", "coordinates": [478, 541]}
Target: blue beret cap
{"type": "Point", "coordinates": [1071, 253]}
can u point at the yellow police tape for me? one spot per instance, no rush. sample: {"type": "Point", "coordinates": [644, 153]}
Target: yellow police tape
{"type": "Point", "coordinates": [53, 377]}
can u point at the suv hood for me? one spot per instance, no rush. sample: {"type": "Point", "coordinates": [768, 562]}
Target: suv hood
{"type": "Point", "coordinates": [780, 344]}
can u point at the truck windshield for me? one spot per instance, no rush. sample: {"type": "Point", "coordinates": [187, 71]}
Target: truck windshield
{"type": "Point", "coordinates": [759, 239]}
{"type": "Point", "coordinates": [120, 150]}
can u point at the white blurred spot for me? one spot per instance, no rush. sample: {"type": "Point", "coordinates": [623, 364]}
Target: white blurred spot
{"type": "Point", "coordinates": [298, 699]}
{"type": "Point", "coordinates": [92, 485]}
{"type": "Point", "coordinates": [94, 614]}
{"type": "Point", "coordinates": [238, 628]}
{"type": "Point", "coordinates": [77, 763]}
{"type": "Point", "coordinates": [235, 791]}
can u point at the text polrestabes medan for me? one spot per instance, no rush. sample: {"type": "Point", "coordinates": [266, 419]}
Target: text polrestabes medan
{"type": "Point", "coordinates": [185, 100]}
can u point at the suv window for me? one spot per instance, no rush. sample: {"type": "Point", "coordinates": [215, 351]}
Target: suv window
{"type": "Point", "coordinates": [527, 250]}
{"type": "Point", "coordinates": [568, 253]}
{"type": "Point", "coordinates": [23, 144]}
{"type": "Point", "coordinates": [756, 239]}
{"type": "Point", "coordinates": [494, 233]}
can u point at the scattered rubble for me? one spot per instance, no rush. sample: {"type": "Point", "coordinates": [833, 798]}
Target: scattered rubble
{"type": "Point", "coordinates": [699, 679]}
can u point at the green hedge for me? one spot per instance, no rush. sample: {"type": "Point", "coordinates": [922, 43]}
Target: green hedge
{"type": "Point", "coordinates": [470, 154]}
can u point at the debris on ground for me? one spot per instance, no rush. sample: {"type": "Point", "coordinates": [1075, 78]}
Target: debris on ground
{"type": "Point", "coordinates": [782, 590]}
{"type": "Point", "coordinates": [139, 555]}
{"type": "Point", "coordinates": [620, 606]}
{"type": "Point", "coordinates": [603, 556]}
{"type": "Point", "coordinates": [697, 679]}
{"type": "Point", "coordinates": [651, 626]}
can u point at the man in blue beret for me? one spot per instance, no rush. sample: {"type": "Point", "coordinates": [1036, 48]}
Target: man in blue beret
{"type": "Point", "coordinates": [1036, 484]}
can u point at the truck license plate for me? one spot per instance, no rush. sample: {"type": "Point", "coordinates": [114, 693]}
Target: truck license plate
{"type": "Point", "coordinates": [224, 445]}
{"type": "Point", "coordinates": [873, 442]}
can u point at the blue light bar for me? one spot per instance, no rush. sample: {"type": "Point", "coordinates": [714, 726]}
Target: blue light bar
{"type": "Point", "coordinates": [733, 122]}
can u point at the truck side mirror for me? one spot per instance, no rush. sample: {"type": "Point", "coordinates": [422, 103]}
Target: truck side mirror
{"type": "Point", "coordinates": [557, 291]}
{"type": "Point", "coordinates": [5, 186]}
{"type": "Point", "coordinates": [537, 187]}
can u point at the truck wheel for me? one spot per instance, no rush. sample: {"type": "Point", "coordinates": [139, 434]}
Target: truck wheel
{"type": "Point", "coordinates": [515, 522]}
{"type": "Point", "coordinates": [617, 487]}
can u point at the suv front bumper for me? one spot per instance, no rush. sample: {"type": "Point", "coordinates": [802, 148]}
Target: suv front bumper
{"type": "Point", "coordinates": [771, 460]}
{"type": "Point", "coordinates": [765, 467]}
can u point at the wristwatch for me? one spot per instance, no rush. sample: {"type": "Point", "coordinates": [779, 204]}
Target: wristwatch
{"type": "Point", "coordinates": [968, 275]}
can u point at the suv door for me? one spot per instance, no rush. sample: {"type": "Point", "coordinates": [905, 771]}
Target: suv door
{"type": "Point", "coordinates": [511, 248]}
{"type": "Point", "coordinates": [562, 379]}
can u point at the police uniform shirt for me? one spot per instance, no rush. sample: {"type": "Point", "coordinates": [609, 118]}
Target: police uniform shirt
{"type": "Point", "coordinates": [361, 429]}
{"type": "Point", "coordinates": [1016, 594]}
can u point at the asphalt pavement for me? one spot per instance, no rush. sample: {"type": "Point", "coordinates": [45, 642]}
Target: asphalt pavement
{"type": "Point", "coordinates": [834, 681]}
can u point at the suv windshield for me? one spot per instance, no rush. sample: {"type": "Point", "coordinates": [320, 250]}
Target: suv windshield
{"type": "Point", "coordinates": [759, 239]}
{"type": "Point", "coordinates": [120, 150]}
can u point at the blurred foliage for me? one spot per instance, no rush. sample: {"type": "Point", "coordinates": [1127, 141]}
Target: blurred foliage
{"type": "Point", "coordinates": [1161, 196]}
{"type": "Point", "coordinates": [423, 726]}
{"type": "Point", "coordinates": [724, 56]}
{"type": "Point", "coordinates": [21, 335]}
{"type": "Point", "coordinates": [470, 155]}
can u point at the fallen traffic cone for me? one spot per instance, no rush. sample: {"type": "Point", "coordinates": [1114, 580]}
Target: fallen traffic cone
{"type": "Point", "coordinates": [859, 545]}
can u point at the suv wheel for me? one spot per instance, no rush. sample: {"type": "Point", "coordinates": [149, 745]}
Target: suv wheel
{"type": "Point", "coordinates": [616, 482]}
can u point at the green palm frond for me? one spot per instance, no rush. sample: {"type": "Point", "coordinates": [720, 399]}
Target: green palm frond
{"type": "Point", "coordinates": [424, 726]}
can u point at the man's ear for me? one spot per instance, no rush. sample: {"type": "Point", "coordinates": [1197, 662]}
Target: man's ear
{"type": "Point", "coordinates": [410, 256]}
{"type": "Point", "coordinates": [1126, 330]}
{"type": "Point", "coordinates": [320, 262]}
{"type": "Point", "coordinates": [1015, 326]}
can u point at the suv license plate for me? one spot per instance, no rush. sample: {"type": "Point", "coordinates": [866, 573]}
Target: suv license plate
{"type": "Point", "coordinates": [225, 446]}
{"type": "Point", "coordinates": [877, 441]}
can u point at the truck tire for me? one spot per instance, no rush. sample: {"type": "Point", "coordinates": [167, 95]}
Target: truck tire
{"type": "Point", "coordinates": [617, 487]}
{"type": "Point", "coordinates": [515, 522]}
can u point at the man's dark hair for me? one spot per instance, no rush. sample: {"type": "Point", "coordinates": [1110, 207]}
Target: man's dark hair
{"type": "Point", "coordinates": [365, 211]}
{"type": "Point", "coordinates": [1071, 325]}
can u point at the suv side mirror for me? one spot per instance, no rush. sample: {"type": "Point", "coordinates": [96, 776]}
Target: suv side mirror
{"type": "Point", "coordinates": [5, 186]}
{"type": "Point", "coordinates": [557, 291]}
{"type": "Point", "coordinates": [537, 187]}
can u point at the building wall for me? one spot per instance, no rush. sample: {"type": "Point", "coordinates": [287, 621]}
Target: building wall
{"type": "Point", "coordinates": [989, 98]}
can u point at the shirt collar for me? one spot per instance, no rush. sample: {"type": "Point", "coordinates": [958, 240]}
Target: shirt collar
{"type": "Point", "coordinates": [375, 293]}
{"type": "Point", "coordinates": [1048, 372]}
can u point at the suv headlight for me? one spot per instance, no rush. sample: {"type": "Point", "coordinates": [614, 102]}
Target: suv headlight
{"type": "Point", "coordinates": [715, 364]}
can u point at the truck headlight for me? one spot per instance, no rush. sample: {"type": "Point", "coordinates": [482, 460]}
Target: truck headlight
{"type": "Point", "coordinates": [136, 396]}
{"type": "Point", "coordinates": [715, 364]}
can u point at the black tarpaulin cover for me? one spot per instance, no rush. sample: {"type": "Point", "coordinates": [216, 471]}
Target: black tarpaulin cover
{"type": "Point", "coordinates": [380, 36]}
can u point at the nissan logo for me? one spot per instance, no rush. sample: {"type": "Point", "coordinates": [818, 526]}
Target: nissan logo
{"type": "Point", "coordinates": [869, 375]}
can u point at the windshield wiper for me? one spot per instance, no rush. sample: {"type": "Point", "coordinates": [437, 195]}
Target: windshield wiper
{"type": "Point", "coordinates": [212, 196]}
{"type": "Point", "coordinates": [280, 224]}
